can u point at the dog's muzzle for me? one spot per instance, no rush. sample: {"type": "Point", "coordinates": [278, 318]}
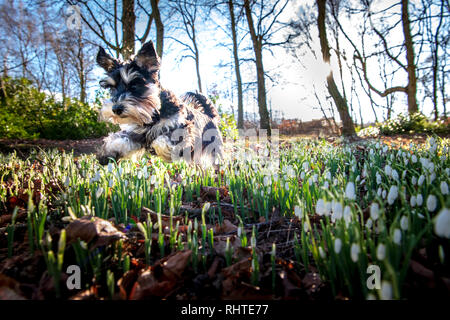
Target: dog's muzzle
{"type": "Point", "coordinates": [117, 109]}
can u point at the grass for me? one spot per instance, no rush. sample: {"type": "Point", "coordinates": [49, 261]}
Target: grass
{"type": "Point", "coordinates": [344, 208]}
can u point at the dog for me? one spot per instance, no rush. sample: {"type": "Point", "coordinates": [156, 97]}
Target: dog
{"type": "Point", "coordinates": [151, 117]}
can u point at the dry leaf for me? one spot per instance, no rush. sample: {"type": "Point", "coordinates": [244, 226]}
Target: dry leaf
{"type": "Point", "coordinates": [87, 229]}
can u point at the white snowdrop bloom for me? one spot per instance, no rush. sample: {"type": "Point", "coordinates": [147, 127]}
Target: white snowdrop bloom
{"type": "Point", "coordinates": [378, 178]}
{"type": "Point", "coordinates": [322, 253]}
{"type": "Point", "coordinates": [363, 181]}
{"type": "Point", "coordinates": [369, 223]}
{"type": "Point", "coordinates": [275, 176]}
{"type": "Point", "coordinates": [302, 175]}
{"type": "Point", "coordinates": [371, 152]}
{"type": "Point", "coordinates": [414, 180]}
{"type": "Point", "coordinates": [327, 208]}
{"type": "Point", "coordinates": [99, 192]}
{"type": "Point", "coordinates": [413, 201]}
{"type": "Point", "coordinates": [337, 245]}
{"type": "Point", "coordinates": [120, 171]}
{"type": "Point", "coordinates": [388, 170]}
{"type": "Point", "coordinates": [298, 212]}
{"type": "Point", "coordinates": [379, 191]}
{"type": "Point", "coordinates": [431, 203]}
{"type": "Point", "coordinates": [239, 232]}
{"type": "Point", "coordinates": [421, 180]}
{"type": "Point", "coordinates": [358, 178]}
{"type": "Point", "coordinates": [347, 214]}
{"type": "Point", "coordinates": [306, 226]}
{"type": "Point", "coordinates": [139, 174]}
{"type": "Point", "coordinates": [377, 145]}
{"type": "Point", "coordinates": [404, 174]}
{"type": "Point", "coordinates": [152, 179]}
{"type": "Point", "coordinates": [414, 158]}
{"type": "Point", "coordinates": [67, 181]}
{"type": "Point", "coordinates": [393, 194]}
{"type": "Point", "coordinates": [110, 167]}
{"type": "Point", "coordinates": [290, 172]}
{"type": "Point", "coordinates": [335, 181]}
{"type": "Point", "coordinates": [337, 210]}
{"type": "Point", "coordinates": [266, 181]}
{"type": "Point", "coordinates": [432, 141]}
{"type": "Point", "coordinates": [442, 223]}
{"type": "Point", "coordinates": [374, 211]}
{"type": "Point", "coordinates": [350, 191]}
{"type": "Point", "coordinates": [310, 181]}
{"type": "Point", "coordinates": [326, 185]}
{"type": "Point", "coordinates": [381, 252]}
{"type": "Point", "coordinates": [397, 236]}
{"type": "Point", "coordinates": [353, 168]}
{"type": "Point", "coordinates": [447, 170]}
{"type": "Point", "coordinates": [286, 185]}
{"type": "Point", "coordinates": [315, 177]}
{"type": "Point", "coordinates": [394, 174]}
{"type": "Point", "coordinates": [328, 175]}
{"type": "Point", "coordinates": [320, 207]}
{"type": "Point", "coordinates": [354, 252]}
{"type": "Point", "coordinates": [392, 157]}
{"type": "Point", "coordinates": [419, 199]}
{"type": "Point", "coordinates": [404, 223]}
{"type": "Point", "coordinates": [405, 161]}
{"type": "Point", "coordinates": [430, 166]}
{"type": "Point", "coordinates": [383, 194]}
{"type": "Point", "coordinates": [262, 193]}
{"type": "Point", "coordinates": [444, 188]}
{"type": "Point", "coordinates": [386, 291]}
{"type": "Point", "coordinates": [305, 166]}
{"type": "Point", "coordinates": [385, 149]}
{"type": "Point", "coordinates": [432, 177]}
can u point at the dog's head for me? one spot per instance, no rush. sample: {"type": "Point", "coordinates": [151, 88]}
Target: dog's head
{"type": "Point", "coordinates": [133, 85]}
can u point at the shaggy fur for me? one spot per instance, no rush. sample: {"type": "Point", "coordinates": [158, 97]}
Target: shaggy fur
{"type": "Point", "coordinates": [152, 118]}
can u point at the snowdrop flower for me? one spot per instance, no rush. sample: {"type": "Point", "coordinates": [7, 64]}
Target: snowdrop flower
{"type": "Point", "coordinates": [404, 174]}
{"type": "Point", "coordinates": [320, 207]}
{"type": "Point", "coordinates": [414, 180]}
{"type": "Point", "coordinates": [432, 177]}
{"type": "Point", "coordinates": [397, 236]}
{"type": "Point", "coordinates": [385, 149]}
{"type": "Point", "coordinates": [404, 223]}
{"type": "Point", "coordinates": [378, 178]}
{"type": "Point", "coordinates": [99, 192]}
{"type": "Point", "coordinates": [335, 181]}
{"type": "Point", "coordinates": [442, 223]}
{"type": "Point", "coordinates": [302, 175]}
{"type": "Point", "coordinates": [327, 208]}
{"type": "Point", "coordinates": [326, 185]}
{"type": "Point", "coordinates": [315, 177]}
{"type": "Point", "coordinates": [379, 191]}
{"type": "Point", "coordinates": [374, 211]}
{"type": "Point", "coordinates": [421, 179]}
{"type": "Point", "coordinates": [354, 252]}
{"type": "Point", "coordinates": [110, 167]}
{"type": "Point", "coordinates": [413, 201]}
{"type": "Point", "coordinates": [310, 181]}
{"type": "Point", "coordinates": [388, 170]}
{"type": "Point", "coordinates": [394, 174]}
{"type": "Point", "coordinates": [444, 188]}
{"type": "Point", "coordinates": [414, 158]}
{"type": "Point", "coordinates": [298, 211]}
{"type": "Point", "coordinates": [306, 226]}
{"type": "Point", "coordinates": [383, 194]}
{"type": "Point", "coordinates": [381, 252]}
{"type": "Point", "coordinates": [337, 211]}
{"type": "Point", "coordinates": [239, 232]}
{"type": "Point", "coordinates": [328, 175]}
{"type": "Point", "coordinates": [266, 181]}
{"type": "Point", "coordinates": [305, 166]}
{"type": "Point", "coordinates": [350, 191]}
{"type": "Point", "coordinates": [393, 194]}
{"type": "Point", "coordinates": [369, 223]}
{"type": "Point", "coordinates": [386, 291]}
{"type": "Point", "coordinates": [419, 199]}
{"type": "Point", "coordinates": [337, 245]}
{"type": "Point", "coordinates": [67, 181]}
{"type": "Point", "coordinates": [152, 179]}
{"type": "Point", "coordinates": [347, 214]}
{"type": "Point", "coordinates": [322, 253]}
{"type": "Point", "coordinates": [431, 203]}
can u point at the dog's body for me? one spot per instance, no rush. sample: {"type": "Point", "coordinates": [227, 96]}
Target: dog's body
{"type": "Point", "coordinates": [153, 118]}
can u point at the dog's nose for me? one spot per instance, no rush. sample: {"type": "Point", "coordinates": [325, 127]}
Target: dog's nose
{"type": "Point", "coordinates": [117, 109]}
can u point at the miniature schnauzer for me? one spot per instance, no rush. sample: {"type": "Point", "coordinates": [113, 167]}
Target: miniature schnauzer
{"type": "Point", "coordinates": [152, 118]}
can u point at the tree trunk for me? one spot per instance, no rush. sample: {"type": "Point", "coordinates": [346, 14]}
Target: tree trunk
{"type": "Point", "coordinates": [348, 127]}
{"type": "Point", "coordinates": [411, 67]}
{"type": "Point", "coordinates": [257, 47]}
{"type": "Point", "coordinates": [197, 61]}
{"type": "Point", "coordinates": [159, 27]}
{"type": "Point", "coordinates": [240, 122]}
{"type": "Point", "coordinates": [128, 28]}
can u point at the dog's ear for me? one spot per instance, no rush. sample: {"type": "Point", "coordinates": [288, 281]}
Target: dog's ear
{"type": "Point", "coordinates": [147, 57]}
{"type": "Point", "coordinates": [105, 61]}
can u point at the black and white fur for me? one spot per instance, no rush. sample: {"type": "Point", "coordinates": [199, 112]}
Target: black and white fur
{"type": "Point", "coordinates": [152, 118]}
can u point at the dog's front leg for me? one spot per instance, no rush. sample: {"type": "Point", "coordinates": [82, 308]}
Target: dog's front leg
{"type": "Point", "coordinates": [119, 145]}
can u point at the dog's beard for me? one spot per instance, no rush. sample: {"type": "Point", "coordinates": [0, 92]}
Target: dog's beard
{"type": "Point", "coordinates": [137, 111]}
